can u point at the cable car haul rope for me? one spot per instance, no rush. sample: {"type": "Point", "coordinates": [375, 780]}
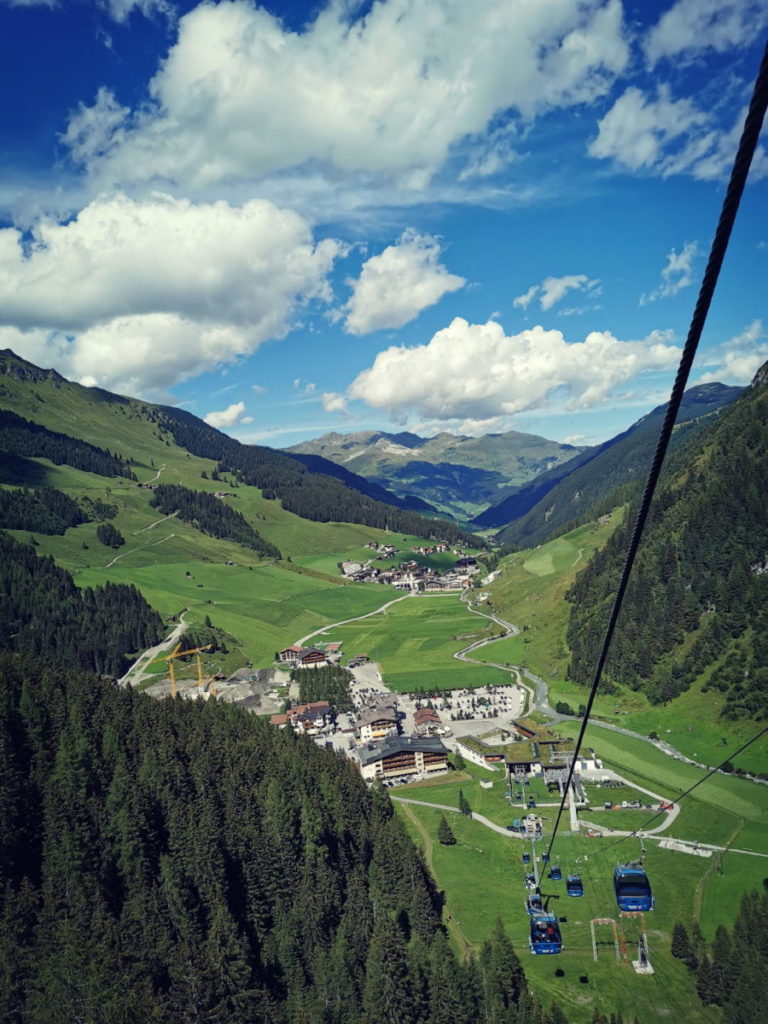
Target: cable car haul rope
{"type": "Point", "coordinates": [631, 884]}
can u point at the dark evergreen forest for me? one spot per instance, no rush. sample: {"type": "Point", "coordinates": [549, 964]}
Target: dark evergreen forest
{"type": "Point", "coordinates": [179, 861]}
{"type": "Point", "coordinates": [42, 510]}
{"type": "Point", "coordinates": [699, 592]}
{"type": "Point", "coordinates": [212, 516]}
{"type": "Point", "coordinates": [329, 683]}
{"type": "Point", "coordinates": [731, 970]}
{"type": "Point", "coordinates": [43, 613]}
{"type": "Point", "coordinates": [19, 436]}
{"type": "Point", "coordinates": [307, 494]}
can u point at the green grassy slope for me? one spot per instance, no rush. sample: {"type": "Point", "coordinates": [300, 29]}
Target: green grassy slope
{"type": "Point", "coordinates": [530, 593]}
{"type": "Point", "coordinates": [482, 877]}
{"type": "Point", "coordinates": [264, 606]}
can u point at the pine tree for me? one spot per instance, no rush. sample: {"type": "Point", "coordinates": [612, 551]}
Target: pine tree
{"type": "Point", "coordinates": [387, 994]}
{"type": "Point", "coordinates": [681, 945]}
{"type": "Point", "coordinates": [444, 833]}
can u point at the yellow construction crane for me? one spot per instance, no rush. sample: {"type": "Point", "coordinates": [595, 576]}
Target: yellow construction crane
{"type": "Point", "coordinates": [178, 653]}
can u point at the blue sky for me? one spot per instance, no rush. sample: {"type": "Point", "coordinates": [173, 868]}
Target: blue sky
{"type": "Point", "coordinates": [296, 218]}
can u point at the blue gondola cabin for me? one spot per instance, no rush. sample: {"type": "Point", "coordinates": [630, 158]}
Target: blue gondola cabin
{"type": "Point", "coordinates": [632, 888]}
{"type": "Point", "coordinates": [574, 885]}
{"type": "Point", "coordinates": [545, 934]}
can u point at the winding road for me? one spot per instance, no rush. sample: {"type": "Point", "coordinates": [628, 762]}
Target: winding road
{"type": "Point", "coordinates": [539, 693]}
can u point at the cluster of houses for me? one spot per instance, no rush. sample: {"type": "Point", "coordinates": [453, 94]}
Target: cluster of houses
{"type": "Point", "coordinates": [411, 575]}
{"type": "Point", "coordinates": [317, 656]}
{"type": "Point", "coordinates": [309, 719]}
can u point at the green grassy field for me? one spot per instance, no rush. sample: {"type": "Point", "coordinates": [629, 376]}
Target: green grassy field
{"type": "Point", "coordinates": [413, 642]}
{"type": "Point", "coordinates": [264, 608]}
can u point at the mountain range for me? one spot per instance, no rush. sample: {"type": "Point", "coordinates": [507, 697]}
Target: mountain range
{"type": "Point", "coordinates": [458, 475]}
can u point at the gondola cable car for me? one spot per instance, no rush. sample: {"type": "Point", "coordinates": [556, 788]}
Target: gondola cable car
{"type": "Point", "coordinates": [545, 935]}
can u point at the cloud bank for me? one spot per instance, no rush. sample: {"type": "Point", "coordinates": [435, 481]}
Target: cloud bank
{"type": "Point", "coordinates": [476, 371]}
{"type": "Point", "coordinates": [388, 94]}
{"type": "Point", "coordinates": [137, 295]}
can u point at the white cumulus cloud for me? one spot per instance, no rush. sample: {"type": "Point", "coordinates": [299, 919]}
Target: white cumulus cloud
{"type": "Point", "coordinates": [476, 371]}
{"type": "Point", "coordinates": [739, 359]}
{"type": "Point", "coordinates": [138, 295]}
{"type": "Point", "coordinates": [389, 93]}
{"type": "Point", "coordinates": [676, 274]}
{"type": "Point", "coordinates": [228, 417]}
{"type": "Point", "coordinates": [395, 286]}
{"type": "Point", "coordinates": [667, 137]}
{"type": "Point", "coordinates": [333, 402]}
{"type": "Point", "coordinates": [553, 289]}
{"type": "Point", "coordinates": [691, 27]}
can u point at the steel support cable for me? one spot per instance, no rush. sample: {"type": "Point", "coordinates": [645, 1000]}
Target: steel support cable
{"type": "Point", "coordinates": [687, 792]}
{"type": "Point", "coordinates": [741, 165]}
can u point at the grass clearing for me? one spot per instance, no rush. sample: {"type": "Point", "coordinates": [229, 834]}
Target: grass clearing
{"type": "Point", "coordinates": [414, 643]}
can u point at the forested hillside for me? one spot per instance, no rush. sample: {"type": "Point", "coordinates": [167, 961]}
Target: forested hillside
{"type": "Point", "coordinates": [698, 599]}
{"type": "Point", "coordinates": [43, 613]}
{"type": "Point", "coordinates": [43, 510]}
{"type": "Point", "coordinates": [182, 862]}
{"type": "Point", "coordinates": [22, 437]}
{"type": "Point", "coordinates": [310, 495]}
{"type": "Point", "coordinates": [211, 515]}
{"type": "Point", "coordinates": [586, 486]}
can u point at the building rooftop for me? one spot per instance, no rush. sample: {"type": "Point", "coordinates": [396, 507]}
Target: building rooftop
{"type": "Point", "coordinates": [399, 745]}
{"type": "Point", "coordinates": [532, 730]}
{"type": "Point", "coordinates": [384, 713]}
